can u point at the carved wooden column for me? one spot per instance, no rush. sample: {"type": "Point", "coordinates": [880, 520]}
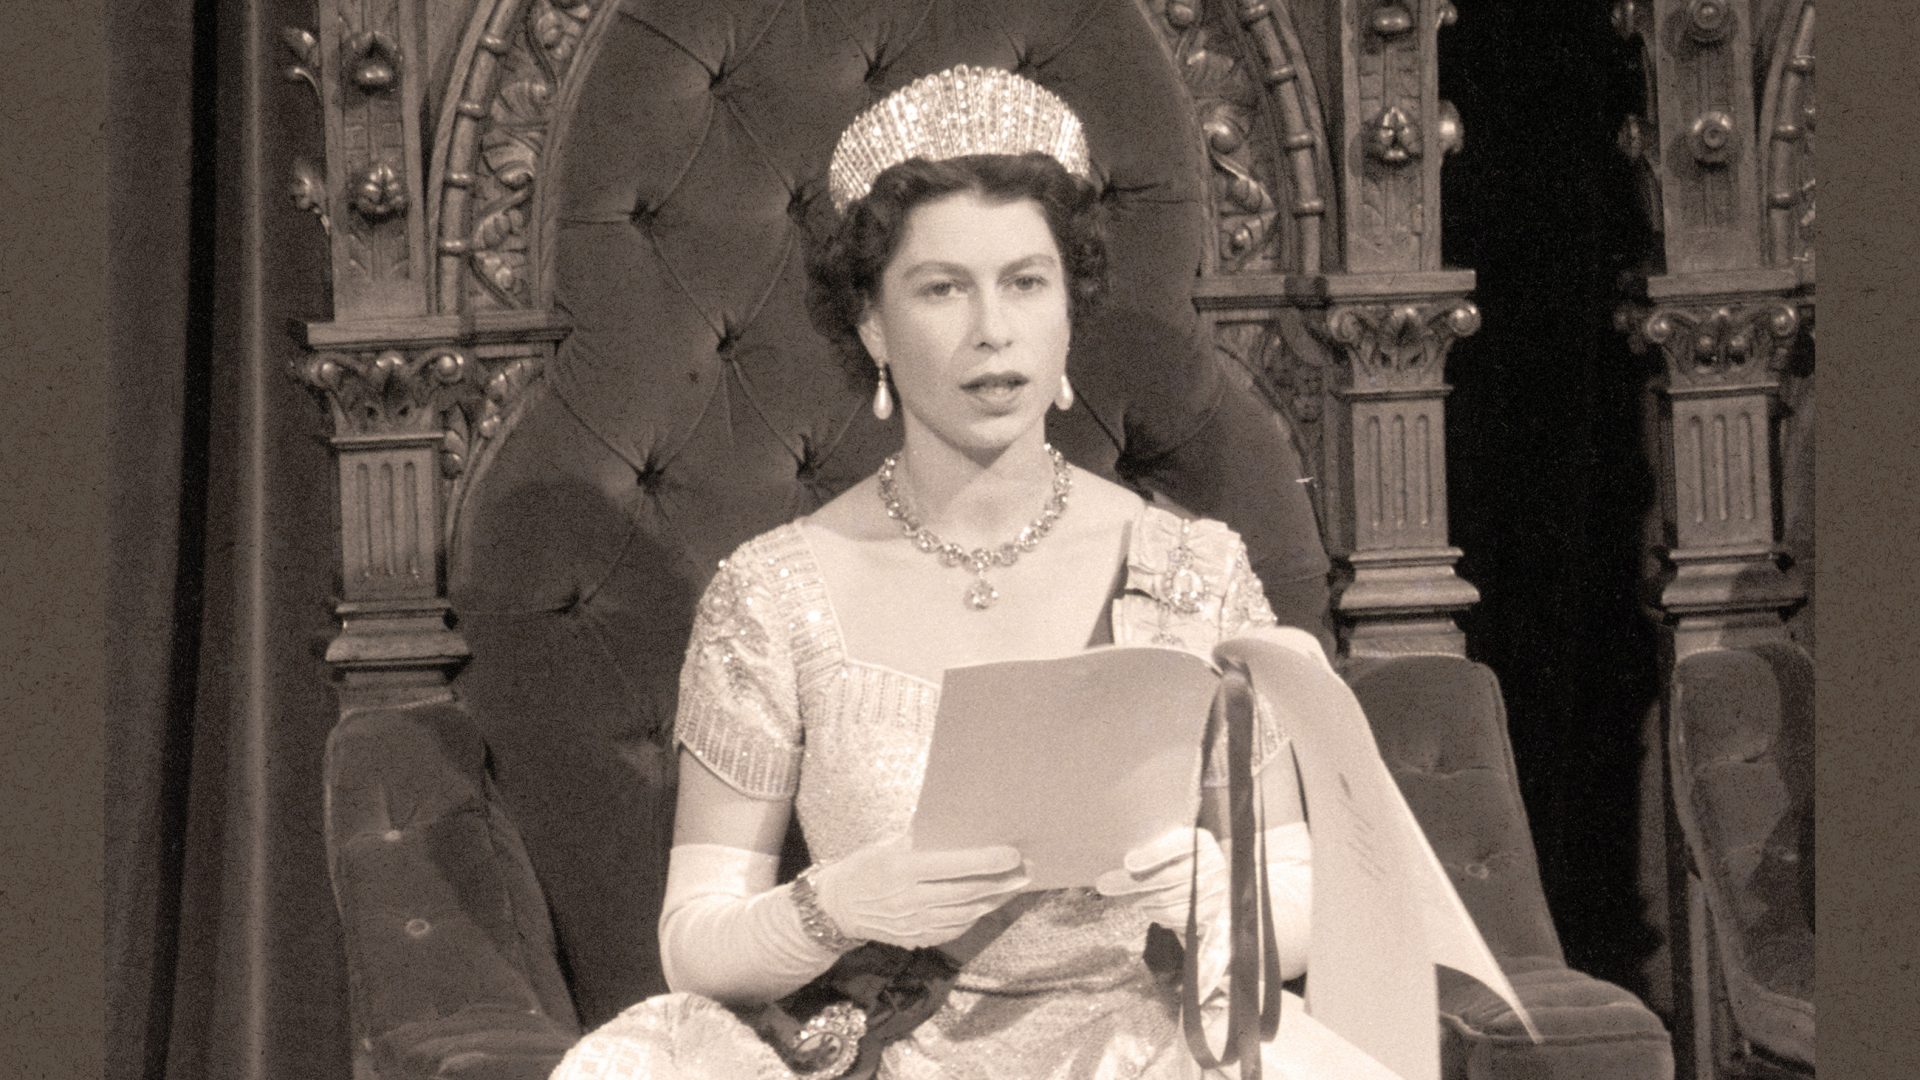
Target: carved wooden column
{"type": "Point", "coordinates": [411, 408]}
{"type": "Point", "coordinates": [1725, 585]}
{"type": "Point", "coordinates": [387, 384]}
{"type": "Point", "coordinates": [1392, 316]}
{"type": "Point", "coordinates": [403, 386]}
{"type": "Point", "coordinates": [1389, 473]}
{"type": "Point", "coordinates": [388, 381]}
{"type": "Point", "coordinates": [1726, 311]}
{"type": "Point", "coordinates": [440, 318]}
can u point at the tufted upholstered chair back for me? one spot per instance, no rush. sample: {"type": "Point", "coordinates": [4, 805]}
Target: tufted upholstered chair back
{"type": "Point", "coordinates": [692, 405]}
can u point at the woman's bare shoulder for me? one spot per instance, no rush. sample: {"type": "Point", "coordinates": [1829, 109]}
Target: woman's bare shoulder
{"type": "Point", "coordinates": [1103, 504]}
{"type": "Point", "coordinates": [854, 514]}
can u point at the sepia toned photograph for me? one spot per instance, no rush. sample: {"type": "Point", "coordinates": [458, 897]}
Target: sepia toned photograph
{"type": "Point", "coordinates": [898, 539]}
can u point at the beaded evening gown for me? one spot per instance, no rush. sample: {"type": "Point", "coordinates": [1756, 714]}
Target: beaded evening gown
{"type": "Point", "coordinates": [773, 704]}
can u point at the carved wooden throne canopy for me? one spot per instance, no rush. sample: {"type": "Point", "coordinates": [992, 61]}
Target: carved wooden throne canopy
{"type": "Point", "coordinates": [1316, 128]}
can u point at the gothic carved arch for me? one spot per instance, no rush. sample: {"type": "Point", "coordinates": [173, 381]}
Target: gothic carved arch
{"type": "Point", "coordinates": [504, 118]}
{"type": "Point", "coordinates": [1256, 105]}
{"type": "Point", "coordinates": [1260, 118]}
{"type": "Point", "coordinates": [1787, 122]}
{"type": "Point", "coordinates": [515, 74]}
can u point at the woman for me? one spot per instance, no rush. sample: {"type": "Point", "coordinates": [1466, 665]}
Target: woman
{"type": "Point", "coordinates": [968, 248]}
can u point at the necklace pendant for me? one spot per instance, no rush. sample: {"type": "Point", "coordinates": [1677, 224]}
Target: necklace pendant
{"type": "Point", "coordinates": [981, 594]}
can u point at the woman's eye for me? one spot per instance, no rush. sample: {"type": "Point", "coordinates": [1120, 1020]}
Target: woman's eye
{"type": "Point", "coordinates": [1029, 283]}
{"type": "Point", "coordinates": [940, 288]}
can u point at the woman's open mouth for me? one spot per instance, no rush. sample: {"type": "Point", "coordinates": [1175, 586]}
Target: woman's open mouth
{"type": "Point", "coordinates": [998, 391]}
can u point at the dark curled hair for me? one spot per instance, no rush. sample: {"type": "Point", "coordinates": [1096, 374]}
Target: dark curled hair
{"type": "Point", "coordinates": [845, 265]}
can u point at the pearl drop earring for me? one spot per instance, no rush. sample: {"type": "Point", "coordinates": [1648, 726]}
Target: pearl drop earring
{"type": "Point", "coordinates": [882, 400]}
{"type": "Point", "coordinates": [1064, 399]}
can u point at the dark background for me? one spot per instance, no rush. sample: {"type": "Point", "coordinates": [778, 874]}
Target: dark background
{"type": "Point", "coordinates": [1549, 479]}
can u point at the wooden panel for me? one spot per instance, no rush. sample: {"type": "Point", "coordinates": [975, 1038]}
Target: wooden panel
{"type": "Point", "coordinates": [1702, 51]}
{"type": "Point", "coordinates": [370, 90]}
{"type": "Point", "coordinates": [388, 515]}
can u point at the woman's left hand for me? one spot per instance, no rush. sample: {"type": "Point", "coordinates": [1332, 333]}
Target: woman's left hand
{"type": "Point", "coordinates": [1159, 877]}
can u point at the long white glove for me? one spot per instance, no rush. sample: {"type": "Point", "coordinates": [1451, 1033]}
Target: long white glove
{"type": "Point", "coordinates": [727, 933]}
{"type": "Point", "coordinates": [1158, 876]}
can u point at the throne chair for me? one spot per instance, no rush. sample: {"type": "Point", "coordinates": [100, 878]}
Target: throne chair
{"type": "Point", "coordinates": [569, 370]}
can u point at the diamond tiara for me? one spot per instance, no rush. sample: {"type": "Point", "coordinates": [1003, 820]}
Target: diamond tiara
{"type": "Point", "coordinates": [953, 113]}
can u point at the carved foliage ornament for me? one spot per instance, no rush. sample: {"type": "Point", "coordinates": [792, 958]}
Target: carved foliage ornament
{"type": "Point", "coordinates": [1395, 346]}
{"type": "Point", "coordinates": [435, 391]}
{"type": "Point", "coordinates": [1393, 138]}
{"type": "Point", "coordinates": [306, 50]}
{"type": "Point", "coordinates": [1227, 97]}
{"type": "Point", "coordinates": [378, 192]}
{"type": "Point", "coordinates": [308, 188]}
{"type": "Point", "coordinates": [376, 64]}
{"type": "Point", "coordinates": [513, 108]}
{"type": "Point", "coordinates": [1708, 344]}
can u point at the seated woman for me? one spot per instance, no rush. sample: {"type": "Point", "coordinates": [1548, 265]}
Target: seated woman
{"type": "Point", "coordinates": [968, 247]}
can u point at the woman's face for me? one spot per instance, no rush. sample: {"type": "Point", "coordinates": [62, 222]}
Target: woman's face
{"type": "Point", "coordinates": [972, 321]}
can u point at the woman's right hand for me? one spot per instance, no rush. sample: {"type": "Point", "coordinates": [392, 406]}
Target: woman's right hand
{"type": "Point", "coordinates": [917, 899]}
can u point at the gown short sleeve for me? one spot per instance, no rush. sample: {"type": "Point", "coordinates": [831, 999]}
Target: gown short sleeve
{"type": "Point", "coordinates": [739, 709]}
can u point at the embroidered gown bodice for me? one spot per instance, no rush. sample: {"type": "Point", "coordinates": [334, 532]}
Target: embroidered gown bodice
{"type": "Point", "coordinates": [772, 703]}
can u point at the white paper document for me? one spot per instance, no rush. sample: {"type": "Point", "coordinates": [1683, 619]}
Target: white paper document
{"type": "Point", "coordinates": [1075, 761]}
{"type": "Point", "coordinates": [1384, 910]}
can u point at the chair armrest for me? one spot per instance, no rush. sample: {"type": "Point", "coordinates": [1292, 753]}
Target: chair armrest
{"type": "Point", "coordinates": [1590, 1030]}
{"type": "Point", "coordinates": [475, 1044]}
{"type": "Point", "coordinates": [450, 949]}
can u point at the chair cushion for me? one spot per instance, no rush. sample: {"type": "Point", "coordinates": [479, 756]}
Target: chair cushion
{"type": "Point", "coordinates": [475, 1044]}
{"type": "Point", "coordinates": [1743, 761]}
{"type": "Point", "coordinates": [1589, 1028]}
{"type": "Point", "coordinates": [439, 905]}
{"type": "Point", "coordinates": [1442, 731]}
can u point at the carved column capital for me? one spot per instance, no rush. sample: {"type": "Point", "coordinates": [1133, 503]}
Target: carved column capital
{"type": "Point", "coordinates": [1711, 344]}
{"type": "Point", "coordinates": [445, 392]}
{"type": "Point", "coordinates": [1386, 469]}
{"type": "Point", "coordinates": [1724, 579]}
{"type": "Point", "coordinates": [390, 390]}
{"type": "Point", "coordinates": [412, 414]}
{"type": "Point", "coordinates": [1398, 345]}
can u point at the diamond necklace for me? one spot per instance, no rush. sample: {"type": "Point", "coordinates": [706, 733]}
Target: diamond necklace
{"type": "Point", "coordinates": [981, 594]}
